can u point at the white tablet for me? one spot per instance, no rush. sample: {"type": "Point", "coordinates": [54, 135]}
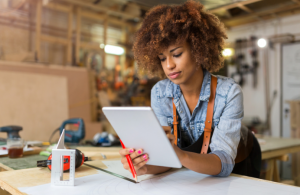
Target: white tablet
{"type": "Point", "coordinates": [138, 128]}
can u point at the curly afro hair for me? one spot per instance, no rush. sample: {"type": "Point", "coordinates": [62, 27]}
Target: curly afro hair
{"type": "Point", "coordinates": [165, 25]}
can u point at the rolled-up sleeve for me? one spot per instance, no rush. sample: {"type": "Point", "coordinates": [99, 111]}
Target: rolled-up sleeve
{"type": "Point", "coordinates": [226, 134]}
{"type": "Point", "coordinates": [157, 108]}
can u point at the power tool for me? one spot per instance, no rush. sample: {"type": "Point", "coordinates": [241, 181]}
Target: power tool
{"type": "Point", "coordinates": [79, 160]}
{"type": "Point", "coordinates": [12, 131]}
{"type": "Point", "coordinates": [73, 136]}
{"type": "Point", "coordinates": [70, 135]}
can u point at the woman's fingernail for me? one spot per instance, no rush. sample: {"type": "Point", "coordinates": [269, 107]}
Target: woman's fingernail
{"type": "Point", "coordinates": [131, 150]}
{"type": "Point", "coordinates": [139, 151]}
{"type": "Point", "coordinates": [145, 156]}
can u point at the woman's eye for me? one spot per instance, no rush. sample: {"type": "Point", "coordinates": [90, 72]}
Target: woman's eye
{"type": "Point", "coordinates": [176, 56]}
{"type": "Point", "coordinates": [163, 59]}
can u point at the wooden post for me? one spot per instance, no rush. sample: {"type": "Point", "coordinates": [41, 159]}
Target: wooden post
{"type": "Point", "coordinates": [270, 169]}
{"type": "Point", "coordinates": [295, 133]}
{"type": "Point", "coordinates": [30, 27]}
{"type": "Point", "coordinates": [105, 24]}
{"type": "Point", "coordinates": [70, 30]}
{"type": "Point", "coordinates": [38, 30]}
{"type": "Point", "coordinates": [276, 176]}
{"type": "Point", "coordinates": [123, 57]}
{"type": "Point", "coordinates": [78, 31]}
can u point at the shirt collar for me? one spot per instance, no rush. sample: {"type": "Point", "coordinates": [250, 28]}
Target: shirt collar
{"type": "Point", "coordinates": [205, 89]}
{"type": "Point", "coordinates": [173, 90]}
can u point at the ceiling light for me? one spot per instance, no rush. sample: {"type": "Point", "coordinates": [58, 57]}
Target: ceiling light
{"type": "Point", "coordinates": [262, 42]}
{"type": "Point", "coordinates": [115, 50]}
{"type": "Point", "coordinates": [227, 52]}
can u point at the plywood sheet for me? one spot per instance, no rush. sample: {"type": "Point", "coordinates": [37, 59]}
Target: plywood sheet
{"type": "Point", "coordinates": [38, 103]}
{"type": "Point", "coordinates": [78, 84]}
{"type": "Point", "coordinates": [78, 90]}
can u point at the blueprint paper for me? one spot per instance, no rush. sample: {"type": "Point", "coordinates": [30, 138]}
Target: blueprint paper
{"type": "Point", "coordinates": [180, 182]}
{"type": "Point", "coordinates": [116, 166]}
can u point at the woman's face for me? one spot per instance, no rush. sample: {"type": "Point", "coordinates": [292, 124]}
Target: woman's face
{"type": "Point", "coordinates": [178, 63]}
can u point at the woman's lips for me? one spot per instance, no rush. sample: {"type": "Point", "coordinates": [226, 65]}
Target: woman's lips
{"type": "Point", "coordinates": [174, 75]}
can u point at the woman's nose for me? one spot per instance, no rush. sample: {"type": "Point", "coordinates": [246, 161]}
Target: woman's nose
{"type": "Point", "coordinates": [170, 63]}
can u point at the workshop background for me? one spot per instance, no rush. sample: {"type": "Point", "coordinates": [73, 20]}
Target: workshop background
{"type": "Point", "coordinates": [62, 59]}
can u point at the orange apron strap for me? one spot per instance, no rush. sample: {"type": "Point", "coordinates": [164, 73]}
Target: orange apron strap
{"type": "Point", "coordinates": [175, 122]}
{"type": "Point", "coordinates": [209, 115]}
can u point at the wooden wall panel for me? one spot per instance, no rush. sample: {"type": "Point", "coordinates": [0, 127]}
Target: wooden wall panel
{"type": "Point", "coordinates": [78, 89]}
{"type": "Point", "coordinates": [36, 102]}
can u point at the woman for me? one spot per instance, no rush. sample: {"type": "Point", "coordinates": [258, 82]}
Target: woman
{"type": "Point", "coordinates": [184, 43]}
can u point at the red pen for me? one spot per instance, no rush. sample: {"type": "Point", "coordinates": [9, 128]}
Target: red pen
{"type": "Point", "coordinates": [130, 163]}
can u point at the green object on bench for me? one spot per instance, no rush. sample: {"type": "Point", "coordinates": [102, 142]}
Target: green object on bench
{"type": "Point", "coordinates": [45, 153]}
{"type": "Point", "coordinates": [25, 162]}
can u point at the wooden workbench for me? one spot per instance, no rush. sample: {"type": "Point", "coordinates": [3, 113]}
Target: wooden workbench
{"type": "Point", "coordinates": [29, 161]}
{"type": "Point", "coordinates": [277, 149]}
{"type": "Point", "coordinates": [11, 180]}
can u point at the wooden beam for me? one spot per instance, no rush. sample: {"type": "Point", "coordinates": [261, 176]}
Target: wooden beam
{"type": "Point", "coordinates": [104, 39]}
{"type": "Point", "coordinates": [268, 17]}
{"type": "Point", "coordinates": [94, 16]}
{"type": "Point", "coordinates": [88, 45]}
{"type": "Point", "coordinates": [78, 33]}
{"type": "Point", "coordinates": [69, 37]}
{"type": "Point", "coordinates": [101, 9]}
{"type": "Point", "coordinates": [296, 1]}
{"type": "Point", "coordinates": [38, 30]}
{"type": "Point", "coordinates": [118, 22]}
{"type": "Point", "coordinates": [26, 27]}
{"type": "Point", "coordinates": [246, 9]}
{"type": "Point", "coordinates": [53, 39]}
{"type": "Point", "coordinates": [260, 14]}
{"type": "Point", "coordinates": [233, 5]}
{"type": "Point", "coordinates": [58, 7]}
{"type": "Point", "coordinates": [46, 29]}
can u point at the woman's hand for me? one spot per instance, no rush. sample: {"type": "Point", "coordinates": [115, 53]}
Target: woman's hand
{"type": "Point", "coordinates": [180, 153]}
{"type": "Point", "coordinates": [138, 158]}
{"type": "Point", "coordinates": [170, 136]}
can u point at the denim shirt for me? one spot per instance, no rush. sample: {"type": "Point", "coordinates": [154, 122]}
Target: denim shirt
{"type": "Point", "coordinates": [228, 113]}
